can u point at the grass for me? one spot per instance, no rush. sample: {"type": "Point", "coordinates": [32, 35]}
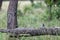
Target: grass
{"type": "Point", "coordinates": [29, 20]}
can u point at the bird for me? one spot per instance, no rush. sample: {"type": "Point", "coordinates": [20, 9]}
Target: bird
{"type": "Point", "coordinates": [42, 25]}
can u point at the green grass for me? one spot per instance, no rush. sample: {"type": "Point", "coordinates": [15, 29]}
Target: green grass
{"type": "Point", "coordinates": [29, 20]}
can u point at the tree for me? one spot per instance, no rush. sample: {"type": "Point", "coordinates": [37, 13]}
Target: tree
{"type": "Point", "coordinates": [32, 2]}
{"type": "Point", "coordinates": [12, 15]}
{"type": "Point", "coordinates": [0, 4]}
{"type": "Point", "coordinates": [50, 3]}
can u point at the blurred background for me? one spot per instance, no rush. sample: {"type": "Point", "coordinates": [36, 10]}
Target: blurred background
{"type": "Point", "coordinates": [33, 14]}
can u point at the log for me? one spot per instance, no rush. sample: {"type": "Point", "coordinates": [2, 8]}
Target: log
{"type": "Point", "coordinates": [33, 31]}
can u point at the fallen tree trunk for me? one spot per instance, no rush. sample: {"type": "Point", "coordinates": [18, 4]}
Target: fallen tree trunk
{"type": "Point", "coordinates": [33, 31]}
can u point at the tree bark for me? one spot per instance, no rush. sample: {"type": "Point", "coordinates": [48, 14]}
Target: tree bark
{"type": "Point", "coordinates": [12, 16]}
{"type": "Point", "coordinates": [33, 31]}
{"type": "Point", "coordinates": [1, 4]}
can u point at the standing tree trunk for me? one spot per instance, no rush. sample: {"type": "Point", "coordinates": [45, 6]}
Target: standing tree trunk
{"type": "Point", "coordinates": [0, 4]}
{"type": "Point", "coordinates": [12, 16]}
{"type": "Point", "coordinates": [32, 2]}
{"type": "Point", "coordinates": [50, 13]}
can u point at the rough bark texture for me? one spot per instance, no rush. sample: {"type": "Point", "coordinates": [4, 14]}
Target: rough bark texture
{"type": "Point", "coordinates": [33, 32]}
{"type": "Point", "coordinates": [0, 4]}
{"type": "Point", "coordinates": [12, 14]}
{"type": "Point", "coordinates": [12, 17]}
